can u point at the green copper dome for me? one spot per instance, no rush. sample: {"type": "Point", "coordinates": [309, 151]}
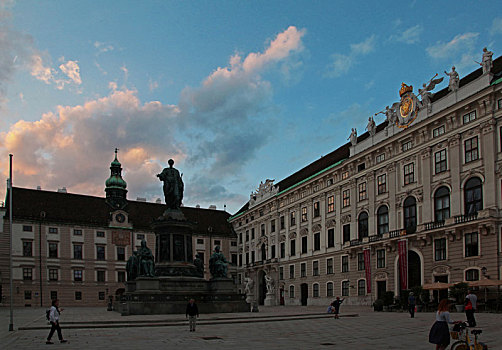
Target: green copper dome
{"type": "Point", "coordinates": [115, 180]}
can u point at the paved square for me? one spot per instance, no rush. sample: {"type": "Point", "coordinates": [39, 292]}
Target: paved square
{"type": "Point", "coordinates": [271, 328]}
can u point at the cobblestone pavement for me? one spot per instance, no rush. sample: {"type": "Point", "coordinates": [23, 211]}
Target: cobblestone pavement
{"type": "Point", "coordinates": [271, 328]}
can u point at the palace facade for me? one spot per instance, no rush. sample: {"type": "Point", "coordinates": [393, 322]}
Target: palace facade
{"type": "Point", "coordinates": [75, 247]}
{"type": "Point", "coordinates": [414, 200]}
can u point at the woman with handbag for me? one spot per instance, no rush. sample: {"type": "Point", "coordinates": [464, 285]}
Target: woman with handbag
{"type": "Point", "coordinates": [440, 333]}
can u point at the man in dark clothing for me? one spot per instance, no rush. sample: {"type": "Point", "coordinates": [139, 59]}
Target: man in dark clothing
{"type": "Point", "coordinates": [411, 304]}
{"type": "Point", "coordinates": [336, 304]}
{"type": "Point", "coordinates": [192, 313]}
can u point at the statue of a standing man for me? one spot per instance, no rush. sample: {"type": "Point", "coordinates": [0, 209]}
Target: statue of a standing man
{"type": "Point", "coordinates": [486, 61]}
{"type": "Point", "coordinates": [173, 186]}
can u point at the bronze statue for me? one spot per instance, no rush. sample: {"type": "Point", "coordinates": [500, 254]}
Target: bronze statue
{"type": "Point", "coordinates": [173, 186]}
{"type": "Point", "coordinates": [132, 266]}
{"type": "Point", "coordinates": [199, 265]}
{"type": "Point", "coordinates": [218, 264]}
{"type": "Point", "coordinates": [146, 261]}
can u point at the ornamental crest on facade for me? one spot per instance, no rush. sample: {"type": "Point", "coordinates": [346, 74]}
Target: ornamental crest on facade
{"type": "Point", "coordinates": [408, 107]}
{"type": "Point", "coordinates": [264, 191]}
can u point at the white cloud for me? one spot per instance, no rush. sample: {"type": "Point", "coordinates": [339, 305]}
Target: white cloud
{"type": "Point", "coordinates": [44, 72]}
{"type": "Point", "coordinates": [409, 36]}
{"type": "Point", "coordinates": [341, 64]}
{"type": "Point", "coordinates": [72, 71]}
{"type": "Point", "coordinates": [103, 47]}
{"type": "Point", "coordinates": [460, 43]}
{"type": "Point", "coordinates": [496, 26]}
{"type": "Point", "coordinates": [152, 84]}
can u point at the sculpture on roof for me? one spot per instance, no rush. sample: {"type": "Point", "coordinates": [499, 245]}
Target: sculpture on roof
{"type": "Point", "coordinates": [391, 113]}
{"type": "Point", "coordinates": [425, 92]}
{"type": "Point", "coordinates": [454, 79]}
{"type": "Point", "coordinates": [371, 127]}
{"type": "Point", "coordinates": [353, 137]}
{"type": "Point", "coordinates": [173, 186]}
{"type": "Point", "coordinates": [486, 61]}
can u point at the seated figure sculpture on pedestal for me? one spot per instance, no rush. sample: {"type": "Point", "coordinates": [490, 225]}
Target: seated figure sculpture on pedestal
{"type": "Point", "coordinates": [146, 261]}
{"type": "Point", "coordinates": [218, 264]}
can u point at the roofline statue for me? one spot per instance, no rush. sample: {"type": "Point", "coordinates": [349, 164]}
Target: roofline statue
{"type": "Point", "coordinates": [173, 186]}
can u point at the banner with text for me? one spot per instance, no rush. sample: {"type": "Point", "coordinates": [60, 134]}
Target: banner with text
{"type": "Point", "coordinates": [367, 267]}
{"type": "Point", "coordinates": [403, 263]}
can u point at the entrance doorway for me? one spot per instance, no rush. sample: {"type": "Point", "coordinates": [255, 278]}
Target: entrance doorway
{"type": "Point", "coordinates": [262, 288]}
{"type": "Point", "coordinates": [443, 293]}
{"type": "Point", "coordinates": [281, 293]}
{"type": "Point", "coordinates": [414, 271]}
{"type": "Point", "coordinates": [304, 293]}
{"type": "Point", "coordinates": [381, 289]}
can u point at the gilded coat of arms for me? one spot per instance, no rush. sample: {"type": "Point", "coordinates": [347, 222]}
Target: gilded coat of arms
{"type": "Point", "coordinates": [408, 107]}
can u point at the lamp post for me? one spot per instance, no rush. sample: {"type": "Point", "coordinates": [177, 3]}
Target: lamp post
{"type": "Point", "coordinates": [42, 216]}
{"type": "Point", "coordinates": [11, 323]}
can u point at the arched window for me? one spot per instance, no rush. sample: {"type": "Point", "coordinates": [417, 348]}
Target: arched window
{"type": "Point", "coordinates": [315, 290]}
{"type": "Point", "coordinates": [410, 214]}
{"type": "Point", "coordinates": [473, 195]}
{"type": "Point", "coordinates": [362, 225]}
{"type": "Point", "coordinates": [329, 289]}
{"type": "Point", "coordinates": [383, 220]}
{"type": "Point", "coordinates": [442, 204]}
{"type": "Point", "coordinates": [345, 288]}
{"type": "Point", "coordinates": [291, 291]}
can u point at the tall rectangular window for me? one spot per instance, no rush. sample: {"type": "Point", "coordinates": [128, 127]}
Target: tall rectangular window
{"type": "Point", "coordinates": [409, 173]}
{"type": "Point", "coordinates": [247, 235]}
{"type": "Point", "coordinates": [382, 183]}
{"type": "Point", "coordinates": [252, 233]}
{"type": "Point", "coordinates": [291, 271]}
{"type": "Point", "coordinates": [27, 273]}
{"type": "Point", "coordinates": [471, 244]}
{"type": "Point", "coordinates": [361, 287]}
{"type": "Point", "coordinates": [329, 266]}
{"type": "Point", "coordinates": [292, 247]}
{"type": "Point", "coordinates": [345, 288]}
{"type": "Point", "coordinates": [283, 250]}
{"type": "Point", "coordinates": [53, 274]}
{"type": "Point", "coordinates": [253, 255]}
{"type": "Point", "coordinates": [272, 225]}
{"type": "Point", "coordinates": [346, 198]}
{"type": "Point", "coordinates": [315, 268]}
{"type": "Point", "coordinates": [345, 263]}
{"type": "Point", "coordinates": [380, 258]}
{"type": "Point", "coordinates": [282, 223]}
{"type": "Point", "coordinates": [77, 275]}
{"type": "Point", "coordinates": [100, 276]}
{"type": "Point", "coordinates": [471, 149]}
{"type": "Point", "coordinates": [469, 117]}
{"type": "Point", "coordinates": [345, 175]}
{"type": "Point", "coordinates": [362, 191]}
{"type": "Point", "coordinates": [77, 251]}
{"type": "Point", "coordinates": [317, 211]}
{"type": "Point", "coordinates": [281, 273]}
{"type": "Point", "coordinates": [293, 219]}
{"type": "Point", "coordinates": [331, 237]}
{"type": "Point", "coordinates": [317, 241]}
{"type": "Point", "coordinates": [100, 252]}
{"type": "Point", "coordinates": [291, 291]}
{"type": "Point", "coordinates": [78, 295]}
{"type": "Point", "coordinates": [27, 294]}
{"type": "Point", "coordinates": [303, 270]}
{"type": "Point", "coordinates": [27, 248]}
{"type": "Point", "coordinates": [304, 244]}
{"type": "Point", "coordinates": [440, 161]}
{"type": "Point", "coordinates": [346, 233]}
{"type": "Point", "coordinates": [304, 214]}
{"type": "Point", "coordinates": [53, 250]}
{"type": "Point", "coordinates": [121, 253]}
{"type": "Point", "coordinates": [331, 204]}
{"type": "Point", "coordinates": [360, 261]}
{"type": "Point", "coordinates": [440, 249]}
{"type": "Point", "coordinates": [262, 230]}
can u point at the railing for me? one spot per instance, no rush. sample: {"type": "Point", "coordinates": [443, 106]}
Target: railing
{"type": "Point", "coordinates": [397, 233]}
{"type": "Point", "coordinates": [355, 242]}
{"type": "Point", "coordinates": [375, 238]}
{"type": "Point", "coordinates": [465, 218]}
{"type": "Point", "coordinates": [433, 225]}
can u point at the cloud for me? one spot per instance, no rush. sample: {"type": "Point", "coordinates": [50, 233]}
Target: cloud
{"type": "Point", "coordinates": [496, 26]}
{"type": "Point", "coordinates": [225, 120]}
{"type": "Point", "coordinates": [103, 47]}
{"type": "Point", "coordinates": [152, 85]}
{"type": "Point", "coordinates": [460, 43]}
{"type": "Point", "coordinates": [409, 36]}
{"type": "Point", "coordinates": [342, 63]}
{"type": "Point", "coordinates": [69, 72]}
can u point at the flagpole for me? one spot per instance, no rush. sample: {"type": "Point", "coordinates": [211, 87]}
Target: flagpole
{"type": "Point", "coordinates": [11, 324]}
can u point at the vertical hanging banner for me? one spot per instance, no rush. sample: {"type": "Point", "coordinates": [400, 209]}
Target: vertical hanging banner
{"type": "Point", "coordinates": [367, 267]}
{"type": "Point", "coordinates": [403, 263]}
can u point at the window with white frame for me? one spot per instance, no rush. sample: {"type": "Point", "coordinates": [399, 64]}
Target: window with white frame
{"type": "Point", "coordinates": [438, 131]}
{"type": "Point", "coordinates": [345, 288]}
{"type": "Point", "coordinates": [329, 266]}
{"type": "Point", "coordinates": [469, 117]}
{"type": "Point", "coordinates": [409, 173]}
{"type": "Point", "coordinates": [382, 183]}
{"type": "Point", "coordinates": [345, 263]}
{"type": "Point", "coordinates": [329, 289]}
{"type": "Point", "coordinates": [362, 191]}
{"type": "Point", "coordinates": [291, 291]}
{"type": "Point", "coordinates": [315, 268]}
{"type": "Point", "coordinates": [331, 204]}
{"type": "Point", "coordinates": [346, 198]}
{"type": "Point", "coordinates": [471, 149]}
{"type": "Point", "coordinates": [440, 249]}
{"type": "Point", "coordinates": [380, 158]}
{"type": "Point", "coordinates": [315, 290]}
{"type": "Point", "coordinates": [440, 161]}
{"type": "Point", "coordinates": [361, 287]}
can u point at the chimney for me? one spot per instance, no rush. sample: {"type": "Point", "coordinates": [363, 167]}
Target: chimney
{"type": "Point", "coordinates": [62, 190]}
{"type": "Point", "coordinates": [39, 188]}
{"type": "Point", "coordinates": [141, 199]}
{"type": "Point", "coordinates": [158, 201]}
{"type": "Point", "coordinates": [212, 207]}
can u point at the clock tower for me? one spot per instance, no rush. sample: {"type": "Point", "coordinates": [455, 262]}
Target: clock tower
{"type": "Point", "coordinates": [116, 192]}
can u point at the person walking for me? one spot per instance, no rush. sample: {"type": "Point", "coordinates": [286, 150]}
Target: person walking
{"type": "Point", "coordinates": [192, 313]}
{"type": "Point", "coordinates": [470, 308]}
{"type": "Point", "coordinates": [54, 320]}
{"type": "Point", "coordinates": [440, 333]}
{"type": "Point", "coordinates": [336, 304]}
{"type": "Point", "coordinates": [412, 303]}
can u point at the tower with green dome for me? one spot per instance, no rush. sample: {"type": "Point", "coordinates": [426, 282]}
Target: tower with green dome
{"type": "Point", "coordinates": [116, 187]}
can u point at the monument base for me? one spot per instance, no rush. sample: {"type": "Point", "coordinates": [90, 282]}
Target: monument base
{"type": "Point", "coordinates": [270, 300]}
{"type": "Point", "coordinates": [170, 295]}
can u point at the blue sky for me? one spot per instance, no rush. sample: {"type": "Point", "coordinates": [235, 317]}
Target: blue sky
{"type": "Point", "coordinates": [236, 92]}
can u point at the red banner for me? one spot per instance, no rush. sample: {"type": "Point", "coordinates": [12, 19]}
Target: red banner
{"type": "Point", "coordinates": [403, 263]}
{"type": "Point", "coordinates": [367, 267]}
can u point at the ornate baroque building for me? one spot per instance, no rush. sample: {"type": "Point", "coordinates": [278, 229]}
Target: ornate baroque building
{"type": "Point", "coordinates": [412, 201]}
{"type": "Point", "coordinates": [75, 247]}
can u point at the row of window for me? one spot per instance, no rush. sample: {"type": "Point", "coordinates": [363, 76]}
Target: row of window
{"type": "Point", "coordinates": [54, 295]}
{"type": "Point", "coordinates": [78, 274]}
{"type": "Point", "coordinates": [53, 251]}
{"type": "Point", "coordinates": [345, 288]}
{"type": "Point", "coordinates": [76, 232]}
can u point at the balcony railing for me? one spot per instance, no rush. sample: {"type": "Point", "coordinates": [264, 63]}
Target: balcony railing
{"type": "Point", "coordinates": [434, 225]}
{"type": "Point", "coordinates": [397, 233]}
{"type": "Point", "coordinates": [375, 238]}
{"type": "Point", "coordinates": [355, 242]}
{"type": "Point", "coordinates": [465, 218]}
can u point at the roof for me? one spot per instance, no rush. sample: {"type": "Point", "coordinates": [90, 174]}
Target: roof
{"type": "Point", "coordinates": [77, 209]}
{"type": "Point", "coordinates": [342, 152]}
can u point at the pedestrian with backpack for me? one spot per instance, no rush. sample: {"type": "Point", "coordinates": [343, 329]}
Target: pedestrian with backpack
{"type": "Point", "coordinates": [54, 320]}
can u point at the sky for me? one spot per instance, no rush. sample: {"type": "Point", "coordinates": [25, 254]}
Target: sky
{"type": "Point", "coordinates": [235, 92]}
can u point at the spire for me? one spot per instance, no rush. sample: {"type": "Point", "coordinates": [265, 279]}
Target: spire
{"type": "Point", "coordinates": [116, 187]}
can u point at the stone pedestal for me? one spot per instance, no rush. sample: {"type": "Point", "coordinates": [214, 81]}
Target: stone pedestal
{"type": "Point", "coordinates": [250, 298]}
{"type": "Point", "coordinates": [270, 300]}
